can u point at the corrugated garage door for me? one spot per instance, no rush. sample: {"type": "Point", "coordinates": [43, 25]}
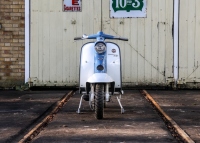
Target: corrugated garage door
{"type": "Point", "coordinates": [54, 56]}
{"type": "Point", "coordinates": [147, 58]}
{"type": "Point", "coordinates": [148, 55]}
{"type": "Point", "coordinates": [189, 43]}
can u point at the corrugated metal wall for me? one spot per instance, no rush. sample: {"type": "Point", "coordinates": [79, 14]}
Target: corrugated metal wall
{"type": "Point", "coordinates": [54, 56]}
{"type": "Point", "coordinates": [147, 57]}
{"type": "Point", "coordinates": [189, 42]}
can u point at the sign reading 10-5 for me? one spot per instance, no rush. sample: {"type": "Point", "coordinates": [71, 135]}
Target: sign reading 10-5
{"type": "Point", "coordinates": [127, 8]}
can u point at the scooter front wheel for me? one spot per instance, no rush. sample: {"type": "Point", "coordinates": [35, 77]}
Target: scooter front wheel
{"type": "Point", "coordinates": [99, 101]}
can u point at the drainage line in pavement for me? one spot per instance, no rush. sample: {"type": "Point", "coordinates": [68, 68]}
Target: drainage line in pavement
{"type": "Point", "coordinates": [49, 117]}
{"type": "Point", "coordinates": [171, 124]}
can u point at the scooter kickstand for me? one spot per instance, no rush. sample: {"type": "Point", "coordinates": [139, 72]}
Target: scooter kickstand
{"type": "Point", "coordinates": [122, 109]}
{"type": "Point", "coordinates": [79, 108]}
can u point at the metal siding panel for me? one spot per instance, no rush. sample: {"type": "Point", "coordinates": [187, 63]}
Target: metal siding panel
{"type": "Point", "coordinates": [161, 54]}
{"type": "Point", "coordinates": [169, 39]}
{"type": "Point", "coordinates": [97, 15]}
{"type": "Point", "coordinates": [55, 6]}
{"type": "Point", "coordinates": [120, 32]}
{"type": "Point", "coordinates": [34, 39]}
{"type": "Point", "coordinates": [127, 53]}
{"type": "Point", "coordinates": [79, 43]}
{"type": "Point", "coordinates": [45, 45]}
{"type": "Point", "coordinates": [56, 31]}
{"type": "Point", "coordinates": [144, 58]}
{"type": "Point", "coordinates": [154, 52]}
{"type": "Point", "coordinates": [40, 43]}
{"type": "Point", "coordinates": [52, 47]}
{"type": "Point", "coordinates": [141, 56]}
{"type": "Point", "coordinates": [66, 48]}
{"type": "Point", "coordinates": [148, 45]}
{"type": "Point", "coordinates": [59, 49]}
{"type": "Point", "coordinates": [161, 41]}
{"type": "Point", "coordinates": [88, 8]}
{"type": "Point", "coordinates": [134, 53]}
{"type": "Point", "coordinates": [183, 39]}
{"type": "Point", "coordinates": [197, 41]}
{"type": "Point", "coordinates": [106, 19]}
{"type": "Point", "coordinates": [189, 42]}
{"type": "Point", "coordinates": [54, 54]}
{"type": "Point", "coordinates": [191, 34]}
{"type": "Point", "coordinates": [72, 49]}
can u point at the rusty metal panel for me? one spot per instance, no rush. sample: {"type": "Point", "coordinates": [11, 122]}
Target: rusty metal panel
{"type": "Point", "coordinates": [54, 56]}
{"type": "Point", "coordinates": [147, 58]}
{"type": "Point", "coordinates": [189, 43]}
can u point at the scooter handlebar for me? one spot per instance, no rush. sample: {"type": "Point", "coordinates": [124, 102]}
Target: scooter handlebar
{"type": "Point", "coordinates": [123, 39]}
{"type": "Point", "coordinates": [78, 38]}
{"type": "Point", "coordinates": [100, 34]}
{"type": "Point", "coordinates": [120, 38]}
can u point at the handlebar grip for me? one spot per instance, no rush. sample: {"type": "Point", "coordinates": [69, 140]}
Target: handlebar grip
{"type": "Point", "coordinates": [123, 39]}
{"type": "Point", "coordinates": [77, 38]}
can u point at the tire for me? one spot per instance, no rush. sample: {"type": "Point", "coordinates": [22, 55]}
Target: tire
{"type": "Point", "coordinates": [105, 104]}
{"type": "Point", "coordinates": [99, 101]}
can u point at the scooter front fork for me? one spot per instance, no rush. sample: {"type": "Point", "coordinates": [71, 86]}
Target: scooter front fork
{"type": "Point", "coordinates": [107, 98]}
{"type": "Point", "coordinates": [91, 101]}
{"type": "Point", "coordinates": [92, 92]}
{"type": "Point", "coordinates": [107, 95]}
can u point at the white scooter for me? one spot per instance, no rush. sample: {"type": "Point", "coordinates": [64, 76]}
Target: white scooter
{"type": "Point", "coordinates": [100, 72]}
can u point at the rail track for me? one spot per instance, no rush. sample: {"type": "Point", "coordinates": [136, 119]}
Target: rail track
{"type": "Point", "coordinates": [174, 129]}
{"type": "Point", "coordinates": [179, 134]}
{"type": "Point", "coordinates": [42, 121]}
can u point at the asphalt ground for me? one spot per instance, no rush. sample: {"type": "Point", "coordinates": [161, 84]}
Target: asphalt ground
{"type": "Point", "coordinates": [183, 106]}
{"type": "Point", "coordinates": [20, 109]}
{"type": "Point", "coordinates": [140, 123]}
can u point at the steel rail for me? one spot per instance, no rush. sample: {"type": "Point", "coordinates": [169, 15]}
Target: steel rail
{"type": "Point", "coordinates": [36, 129]}
{"type": "Point", "coordinates": [180, 131]}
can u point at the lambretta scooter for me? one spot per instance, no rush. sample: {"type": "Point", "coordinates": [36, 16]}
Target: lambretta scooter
{"type": "Point", "coordinates": [100, 72]}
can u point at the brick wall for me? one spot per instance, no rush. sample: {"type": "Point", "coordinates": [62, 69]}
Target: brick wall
{"type": "Point", "coordinates": [12, 45]}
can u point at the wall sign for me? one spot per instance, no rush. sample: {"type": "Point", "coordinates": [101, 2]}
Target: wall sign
{"type": "Point", "coordinates": [72, 5]}
{"type": "Point", "coordinates": [127, 8]}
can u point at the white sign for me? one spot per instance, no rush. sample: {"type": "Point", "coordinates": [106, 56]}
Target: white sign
{"type": "Point", "coordinates": [72, 5]}
{"type": "Point", "coordinates": [127, 8]}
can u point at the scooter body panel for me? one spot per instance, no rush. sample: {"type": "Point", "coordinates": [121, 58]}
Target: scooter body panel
{"type": "Point", "coordinates": [100, 78]}
{"type": "Point", "coordinates": [100, 72]}
{"type": "Point", "coordinates": [87, 65]}
{"type": "Point", "coordinates": [114, 63]}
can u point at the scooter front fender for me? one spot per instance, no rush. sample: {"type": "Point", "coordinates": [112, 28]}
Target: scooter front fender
{"type": "Point", "coordinates": [100, 78]}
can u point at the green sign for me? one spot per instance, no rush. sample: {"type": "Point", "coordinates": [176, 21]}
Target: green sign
{"type": "Point", "coordinates": [128, 8]}
{"type": "Point", "coordinates": [127, 5]}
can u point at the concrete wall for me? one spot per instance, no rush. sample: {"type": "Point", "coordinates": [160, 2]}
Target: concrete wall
{"type": "Point", "coordinates": [12, 42]}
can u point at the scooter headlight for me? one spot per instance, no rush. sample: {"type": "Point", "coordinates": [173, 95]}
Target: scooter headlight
{"type": "Point", "coordinates": [100, 47]}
